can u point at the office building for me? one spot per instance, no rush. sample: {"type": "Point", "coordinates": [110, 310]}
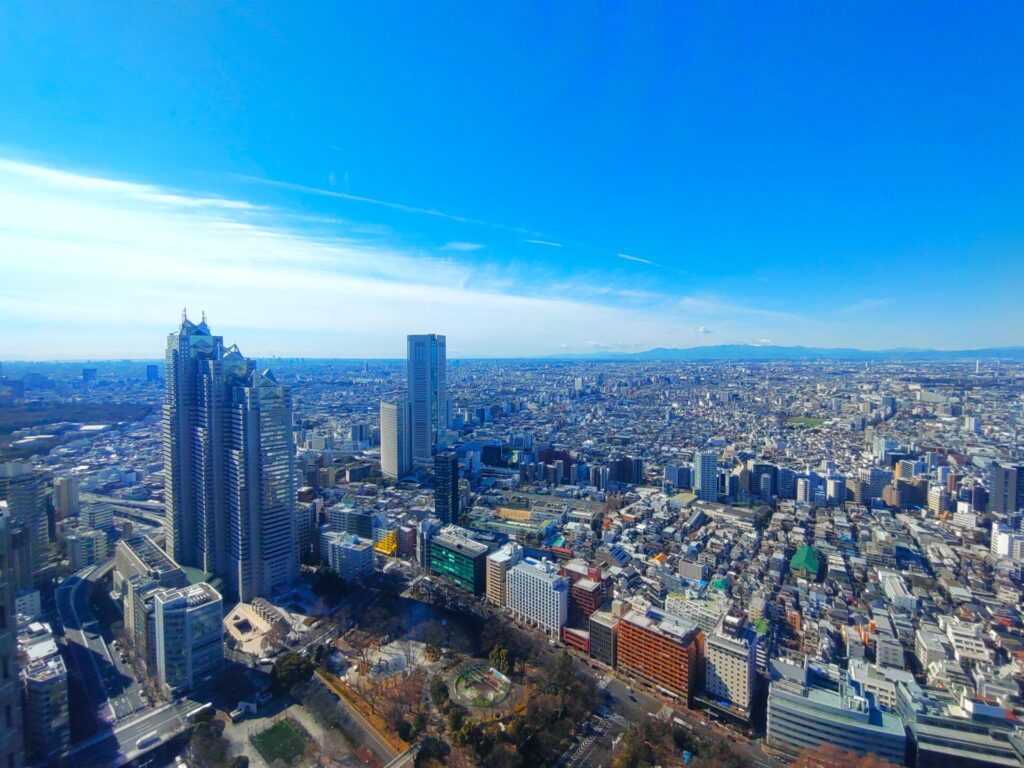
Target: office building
{"type": "Point", "coordinates": [664, 650]}
{"type": "Point", "coordinates": [957, 729]}
{"type": "Point", "coordinates": [426, 370]}
{"type": "Point", "coordinates": [729, 668]}
{"type": "Point", "coordinates": [229, 465]}
{"type": "Point", "coordinates": [27, 493]}
{"type": "Point", "coordinates": [152, 373]}
{"type": "Point", "coordinates": [44, 680]}
{"type": "Point", "coordinates": [98, 516]}
{"type": "Point", "coordinates": [456, 556]}
{"type": "Point", "coordinates": [346, 554]}
{"type": "Point", "coordinates": [806, 708]}
{"type": "Point", "coordinates": [498, 565]}
{"type": "Point", "coordinates": [1002, 497]}
{"type": "Point", "coordinates": [189, 636]}
{"type": "Point", "coordinates": [139, 555]}
{"type": "Point", "coordinates": [359, 522]}
{"type": "Point", "coordinates": [11, 738]}
{"type": "Point", "coordinates": [65, 497]}
{"type": "Point", "coordinates": [86, 547]}
{"type": "Point", "coordinates": [395, 442]}
{"type": "Point", "coordinates": [705, 476]}
{"type": "Point", "coordinates": [537, 595]}
{"type": "Point", "coordinates": [446, 487]}
{"type": "Point", "coordinates": [604, 628]}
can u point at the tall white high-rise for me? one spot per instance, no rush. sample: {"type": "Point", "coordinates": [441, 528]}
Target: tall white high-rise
{"type": "Point", "coordinates": [705, 475]}
{"type": "Point", "coordinates": [229, 466]}
{"type": "Point", "coordinates": [395, 443]}
{"type": "Point", "coordinates": [428, 394]}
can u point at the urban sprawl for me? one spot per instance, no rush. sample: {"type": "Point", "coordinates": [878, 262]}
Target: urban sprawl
{"type": "Point", "coordinates": [218, 561]}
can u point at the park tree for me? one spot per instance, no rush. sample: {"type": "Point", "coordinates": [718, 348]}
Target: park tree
{"type": "Point", "coordinates": [500, 660]}
{"type": "Point", "coordinates": [438, 691]}
{"type": "Point", "coordinates": [290, 669]}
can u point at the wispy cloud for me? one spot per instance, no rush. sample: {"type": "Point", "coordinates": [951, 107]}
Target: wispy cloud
{"type": "Point", "coordinates": [703, 329]}
{"type": "Point", "coordinates": [543, 242]}
{"type": "Point", "coordinates": [104, 266]}
{"type": "Point", "coordinates": [462, 246]}
{"type": "Point", "coordinates": [319, 191]}
{"type": "Point", "coordinates": [637, 259]}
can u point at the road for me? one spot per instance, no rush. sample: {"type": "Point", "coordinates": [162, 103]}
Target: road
{"type": "Point", "coordinates": [115, 747]}
{"type": "Point", "coordinates": [112, 690]}
{"type": "Point", "coordinates": [381, 747]}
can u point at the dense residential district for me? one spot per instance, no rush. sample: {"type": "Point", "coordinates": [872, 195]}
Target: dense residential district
{"type": "Point", "coordinates": [212, 561]}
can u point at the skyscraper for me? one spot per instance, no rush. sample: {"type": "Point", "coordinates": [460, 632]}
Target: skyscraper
{"type": "Point", "coordinates": [11, 745]}
{"type": "Point", "coordinates": [229, 465]}
{"type": "Point", "coordinates": [705, 472]}
{"type": "Point", "coordinates": [395, 445]}
{"type": "Point", "coordinates": [428, 394]}
{"type": "Point", "coordinates": [27, 493]}
{"type": "Point", "coordinates": [1004, 492]}
{"type": "Point", "coordinates": [446, 487]}
{"type": "Point", "coordinates": [65, 496]}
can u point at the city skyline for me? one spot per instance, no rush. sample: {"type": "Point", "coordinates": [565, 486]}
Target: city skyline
{"type": "Point", "coordinates": [629, 186]}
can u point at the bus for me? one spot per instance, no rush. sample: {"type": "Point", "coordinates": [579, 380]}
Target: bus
{"type": "Point", "coordinates": [194, 714]}
{"type": "Point", "coordinates": [148, 740]}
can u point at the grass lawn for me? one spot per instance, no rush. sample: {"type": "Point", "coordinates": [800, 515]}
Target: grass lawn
{"type": "Point", "coordinates": [284, 740]}
{"type": "Point", "coordinates": [804, 421]}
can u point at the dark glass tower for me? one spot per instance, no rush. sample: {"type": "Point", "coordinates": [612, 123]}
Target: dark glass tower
{"type": "Point", "coordinates": [446, 484]}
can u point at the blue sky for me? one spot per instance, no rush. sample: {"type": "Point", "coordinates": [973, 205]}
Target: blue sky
{"type": "Point", "coordinates": [529, 179]}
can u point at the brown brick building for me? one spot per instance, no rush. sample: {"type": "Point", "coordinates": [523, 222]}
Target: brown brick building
{"type": "Point", "coordinates": [662, 650]}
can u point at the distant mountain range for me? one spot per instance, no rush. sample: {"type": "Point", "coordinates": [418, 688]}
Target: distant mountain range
{"type": "Point", "coordinates": [774, 352]}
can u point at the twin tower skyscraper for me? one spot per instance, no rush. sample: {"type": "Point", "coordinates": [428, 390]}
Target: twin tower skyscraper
{"type": "Point", "coordinates": [229, 465]}
{"type": "Point", "coordinates": [411, 430]}
{"type": "Point", "coordinates": [230, 489]}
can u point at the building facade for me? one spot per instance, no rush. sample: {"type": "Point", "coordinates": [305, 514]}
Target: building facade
{"type": "Point", "coordinates": [426, 369]}
{"type": "Point", "coordinates": [604, 630]}
{"type": "Point", "coordinates": [395, 442]}
{"type": "Point", "coordinates": [45, 694]}
{"type": "Point", "coordinates": [446, 487]}
{"type": "Point", "coordinates": [229, 465]}
{"type": "Point", "coordinates": [537, 595]}
{"type": "Point", "coordinates": [12, 754]}
{"type": "Point", "coordinates": [189, 635]}
{"type": "Point", "coordinates": [457, 557]}
{"type": "Point", "coordinates": [705, 475]}
{"type": "Point", "coordinates": [346, 554]}
{"type": "Point", "coordinates": [27, 493]}
{"type": "Point", "coordinates": [498, 565]}
{"type": "Point", "coordinates": [663, 650]}
{"type": "Point", "coordinates": [730, 662]}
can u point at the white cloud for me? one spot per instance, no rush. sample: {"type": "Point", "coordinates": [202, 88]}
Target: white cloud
{"type": "Point", "coordinates": [544, 242]}
{"type": "Point", "coordinates": [637, 259]}
{"type": "Point", "coordinates": [703, 330]}
{"type": "Point", "coordinates": [94, 267]}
